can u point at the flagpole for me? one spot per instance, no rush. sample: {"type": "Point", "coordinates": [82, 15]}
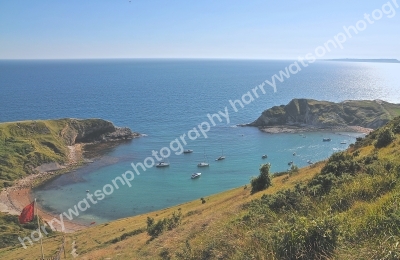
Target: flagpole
{"type": "Point", "coordinates": [40, 233]}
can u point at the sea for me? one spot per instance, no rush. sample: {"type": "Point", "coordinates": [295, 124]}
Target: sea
{"type": "Point", "coordinates": [164, 99]}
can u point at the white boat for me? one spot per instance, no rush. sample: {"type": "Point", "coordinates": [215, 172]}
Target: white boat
{"type": "Point", "coordinates": [343, 142]}
{"type": "Point", "coordinates": [222, 157]}
{"type": "Point", "coordinates": [264, 156]}
{"type": "Point", "coordinates": [309, 162]}
{"type": "Point", "coordinates": [196, 175]}
{"type": "Point", "coordinates": [326, 139]}
{"type": "Point", "coordinates": [162, 164]}
{"type": "Point", "coordinates": [205, 163]}
{"type": "Point", "coordinates": [188, 151]}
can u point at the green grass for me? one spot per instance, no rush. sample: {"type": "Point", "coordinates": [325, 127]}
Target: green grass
{"type": "Point", "coordinates": [28, 144]}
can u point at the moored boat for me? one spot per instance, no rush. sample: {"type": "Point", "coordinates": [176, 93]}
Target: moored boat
{"type": "Point", "coordinates": [162, 164]}
{"type": "Point", "coordinates": [196, 175]}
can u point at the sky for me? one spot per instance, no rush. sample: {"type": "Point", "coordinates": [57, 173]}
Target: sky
{"type": "Point", "coordinates": [221, 29]}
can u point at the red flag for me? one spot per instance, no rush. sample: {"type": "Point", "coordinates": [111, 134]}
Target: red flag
{"type": "Point", "coordinates": [27, 214]}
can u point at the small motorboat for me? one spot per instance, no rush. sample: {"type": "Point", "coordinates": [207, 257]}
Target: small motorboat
{"type": "Point", "coordinates": [264, 156]}
{"type": "Point", "coordinates": [309, 162]}
{"type": "Point", "coordinates": [294, 154]}
{"type": "Point", "coordinates": [343, 142]}
{"type": "Point", "coordinates": [162, 164]}
{"type": "Point", "coordinates": [196, 175]}
{"type": "Point", "coordinates": [326, 139]}
{"type": "Point", "coordinates": [290, 163]}
{"type": "Point", "coordinates": [203, 164]}
{"type": "Point", "coordinates": [188, 151]}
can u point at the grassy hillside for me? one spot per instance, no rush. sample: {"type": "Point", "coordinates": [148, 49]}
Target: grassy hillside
{"type": "Point", "coordinates": [27, 144]}
{"type": "Point", "coordinates": [347, 207]}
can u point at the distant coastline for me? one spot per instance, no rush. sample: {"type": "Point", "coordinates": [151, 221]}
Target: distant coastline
{"type": "Point", "coordinates": [366, 60]}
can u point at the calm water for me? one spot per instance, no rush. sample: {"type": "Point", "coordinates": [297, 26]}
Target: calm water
{"type": "Point", "coordinates": [165, 99]}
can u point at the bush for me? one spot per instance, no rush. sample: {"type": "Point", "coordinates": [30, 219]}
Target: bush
{"type": "Point", "coordinates": [385, 138]}
{"type": "Point", "coordinates": [340, 163]}
{"type": "Point", "coordinates": [155, 229]}
{"type": "Point", "coordinates": [397, 129]}
{"type": "Point", "coordinates": [301, 238]}
{"type": "Point", "coordinates": [263, 181]}
{"type": "Point", "coordinates": [284, 200]}
{"type": "Point", "coordinates": [321, 184]}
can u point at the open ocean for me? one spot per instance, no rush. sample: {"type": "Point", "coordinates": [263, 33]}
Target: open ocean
{"type": "Point", "coordinates": [164, 99]}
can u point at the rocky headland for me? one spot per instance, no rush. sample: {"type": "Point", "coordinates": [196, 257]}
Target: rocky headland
{"type": "Point", "coordinates": [302, 115]}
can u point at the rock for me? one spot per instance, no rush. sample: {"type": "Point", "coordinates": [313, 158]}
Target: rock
{"type": "Point", "coordinates": [94, 130]}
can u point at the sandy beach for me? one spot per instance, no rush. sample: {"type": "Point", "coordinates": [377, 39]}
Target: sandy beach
{"type": "Point", "coordinates": [297, 129]}
{"type": "Point", "coordinates": [14, 199]}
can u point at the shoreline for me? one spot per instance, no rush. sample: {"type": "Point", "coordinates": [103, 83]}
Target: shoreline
{"type": "Point", "coordinates": [303, 129]}
{"type": "Point", "coordinates": [13, 199]}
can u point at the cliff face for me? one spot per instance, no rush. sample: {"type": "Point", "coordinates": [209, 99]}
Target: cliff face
{"type": "Point", "coordinates": [324, 114]}
{"type": "Point", "coordinates": [93, 130]}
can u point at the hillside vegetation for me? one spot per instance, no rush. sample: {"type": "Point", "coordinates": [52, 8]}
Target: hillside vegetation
{"type": "Point", "coordinates": [324, 114]}
{"type": "Point", "coordinates": [347, 207]}
{"type": "Point", "coordinates": [26, 145]}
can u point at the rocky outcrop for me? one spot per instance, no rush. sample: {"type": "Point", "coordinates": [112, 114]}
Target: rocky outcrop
{"type": "Point", "coordinates": [324, 114]}
{"type": "Point", "coordinates": [94, 130]}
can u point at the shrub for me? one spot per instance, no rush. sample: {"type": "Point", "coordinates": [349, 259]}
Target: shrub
{"type": "Point", "coordinates": [155, 229]}
{"type": "Point", "coordinates": [293, 169]}
{"type": "Point", "coordinates": [263, 181]}
{"type": "Point", "coordinates": [397, 129]}
{"type": "Point", "coordinates": [340, 163]}
{"type": "Point", "coordinates": [301, 238]}
{"type": "Point", "coordinates": [385, 138]}
{"type": "Point", "coordinates": [321, 184]}
{"type": "Point", "coordinates": [284, 200]}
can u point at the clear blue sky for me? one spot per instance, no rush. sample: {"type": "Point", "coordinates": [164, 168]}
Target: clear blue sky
{"type": "Point", "coordinates": [254, 29]}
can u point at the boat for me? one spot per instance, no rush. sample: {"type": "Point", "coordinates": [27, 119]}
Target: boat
{"type": "Point", "coordinates": [309, 162]}
{"type": "Point", "coordinates": [343, 142]}
{"type": "Point", "coordinates": [162, 164]}
{"type": "Point", "coordinates": [290, 163]}
{"type": "Point", "coordinates": [196, 175]}
{"type": "Point", "coordinates": [205, 163]}
{"type": "Point", "coordinates": [264, 156]}
{"type": "Point", "coordinates": [188, 151]}
{"type": "Point", "coordinates": [326, 139]}
{"type": "Point", "coordinates": [294, 154]}
{"type": "Point", "coordinates": [222, 157]}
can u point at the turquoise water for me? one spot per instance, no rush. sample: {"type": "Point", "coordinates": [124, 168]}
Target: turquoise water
{"type": "Point", "coordinates": [165, 99]}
